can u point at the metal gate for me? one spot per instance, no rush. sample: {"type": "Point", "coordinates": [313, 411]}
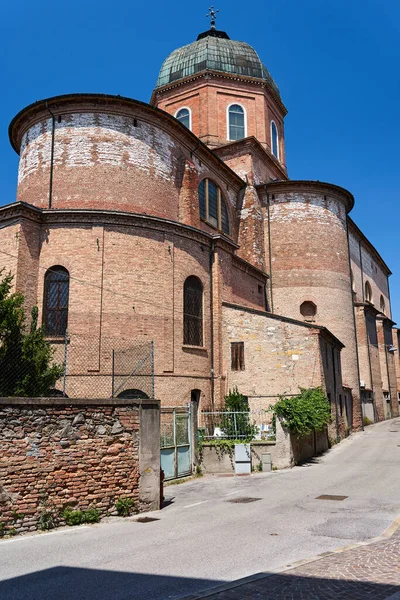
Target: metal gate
{"type": "Point", "coordinates": [175, 442]}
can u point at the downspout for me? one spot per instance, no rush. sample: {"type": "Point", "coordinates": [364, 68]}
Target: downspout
{"type": "Point", "coordinates": [355, 323]}
{"type": "Point", "coordinates": [212, 260]}
{"type": "Point", "coordinates": [387, 371]}
{"type": "Point", "coordinates": [53, 125]}
{"type": "Point", "coordinates": [269, 250]}
{"type": "Point", "coordinates": [335, 392]}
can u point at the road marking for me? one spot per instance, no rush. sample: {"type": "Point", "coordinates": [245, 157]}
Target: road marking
{"type": "Point", "coordinates": [230, 493]}
{"type": "Point", "coordinates": [195, 504]}
{"type": "Point", "coordinates": [43, 534]}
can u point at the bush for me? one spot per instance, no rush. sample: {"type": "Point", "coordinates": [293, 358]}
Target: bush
{"type": "Point", "coordinates": [47, 520]}
{"type": "Point", "coordinates": [367, 421]}
{"type": "Point", "coordinates": [77, 517]}
{"type": "Point", "coordinates": [307, 412]}
{"type": "Point", "coordinates": [239, 425]}
{"type": "Point", "coordinates": [124, 506]}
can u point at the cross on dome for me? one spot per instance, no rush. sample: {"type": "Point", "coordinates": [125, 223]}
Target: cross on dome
{"type": "Point", "coordinates": [212, 14]}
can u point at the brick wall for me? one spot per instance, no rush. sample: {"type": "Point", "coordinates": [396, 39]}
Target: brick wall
{"type": "Point", "coordinates": [84, 454]}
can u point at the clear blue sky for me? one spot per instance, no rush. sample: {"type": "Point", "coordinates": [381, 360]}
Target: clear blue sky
{"type": "Point", "coordinates": [336, 62]}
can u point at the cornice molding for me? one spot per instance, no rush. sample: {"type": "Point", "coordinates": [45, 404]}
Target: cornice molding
{"type": "Point", "coordinates": [220, 75]}
{"type": "Point", "coordinates": [292, 185]}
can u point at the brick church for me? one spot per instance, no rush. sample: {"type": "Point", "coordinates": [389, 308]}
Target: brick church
{"type": "Point", "coordinates": [176, 222]}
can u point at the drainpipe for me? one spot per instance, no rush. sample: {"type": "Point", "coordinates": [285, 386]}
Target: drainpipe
{"type": "Point", "coordinates": [387, 371]}
{"type": "Point", "coordinates": [53, 125]}
{"type": "Point", "coordinates": [269, 250]}
{"type": "Point", "coordinates": [212, 260]}
{"type": "Point", "coordinates": [335, 392]}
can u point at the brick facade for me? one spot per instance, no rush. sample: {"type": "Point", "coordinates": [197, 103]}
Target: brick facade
{"type": "Point", "coordinates": [108, 189]}
{"type": "Point", "coordinates": [84, 454]}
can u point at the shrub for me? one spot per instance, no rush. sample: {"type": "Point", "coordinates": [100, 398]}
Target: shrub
{"type": "Point", "coordinates": [91, 515]}
{"type": "Point", "coordinates": [238, 425]}
{"type": "Point", "coordinates": [367, 421]}
{"type": "Point", "coordinates": [72, 517]}
{"type": "Point", "coordinates": [47, 521]}
{"type": "Point", "coordinates": [307, 412]}
{"type": "Point", "coordinates": [124, 506]}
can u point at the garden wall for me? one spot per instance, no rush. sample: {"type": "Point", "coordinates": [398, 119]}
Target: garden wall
{"type": "Point", "coordinates": [286, 452]}
{"type": "Point", "coordinates": [57, 452]}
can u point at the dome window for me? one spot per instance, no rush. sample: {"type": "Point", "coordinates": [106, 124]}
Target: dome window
{"type": "Point", "coordinates": [212, 206]}
{"type": "Point", "coordinates": [274, 140]}
{"type": "Point", "coordinates": [236, 122]}
{"type": "Point", "coordinates": [184, 116]}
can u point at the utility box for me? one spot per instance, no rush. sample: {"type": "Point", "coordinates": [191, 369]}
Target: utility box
{"type": "Point", "coordinates": [266, 462]}
{"type": "Point", "coordinates": [242, 459]}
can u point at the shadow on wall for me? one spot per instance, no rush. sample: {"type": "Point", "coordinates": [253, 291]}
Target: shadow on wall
{"type": "Point", "coordinates": [64, 583]}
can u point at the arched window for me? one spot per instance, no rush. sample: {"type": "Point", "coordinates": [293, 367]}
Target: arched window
{"type": "Point", "coordinates": [274, 140]}
{"type": "Point", "coordinates": [131, 394]}
{"type": "Point", "coordinates": [55, 306]}
{"type": "Point", "coordinates": [368, 292]}
{"type": "Point", "coordinates": [382, 304]}
{"type": "Point", "coordinates": [183, 115]}
{"type": "Point", "coordinates": [212, 205]}
{"type": "Point", "coordinates": [193, 312]}
{"type": "Point", "coordinates": [236, 122]}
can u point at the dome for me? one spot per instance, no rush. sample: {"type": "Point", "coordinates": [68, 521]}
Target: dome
{"type": "Point", "coordinates": [214, 51]}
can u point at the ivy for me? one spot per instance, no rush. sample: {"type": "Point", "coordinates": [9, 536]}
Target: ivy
{"type": "Point", "coordinates": [302, 414]}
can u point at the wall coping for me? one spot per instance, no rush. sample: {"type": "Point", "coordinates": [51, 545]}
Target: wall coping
{"type": "Point", "coordinates": [253, 443]}
{"type": "Point", "coordinates": [14, 401]}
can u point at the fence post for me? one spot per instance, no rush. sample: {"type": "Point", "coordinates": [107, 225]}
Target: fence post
{"type": "Point", "coordinates": [65, 362]}
{"type": "Point", "coordinates": [234, 420]}
{"type": "Point", "coordinates": [194, 410]}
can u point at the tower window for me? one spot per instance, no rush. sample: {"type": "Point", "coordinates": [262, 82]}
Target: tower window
{"type": "Point", "coordinates": [308, 309]}
{"type": "Point", "coordinates": [236, 122]}
{"type": "Point", "coordinates": [56, 296]}
{"type": "Point", "coordinates": [382, 304]}
{"type": "Point", "coordinates": [237, 356]}
{"type": "Point", "coordinates": [368, 292]}
{"type": "Point", "coordinates": [212, 206]}
{"type": "Point", "coordinates": [274, 140]}
{"type": "Point", "coordinates": [193, 312]}
{"type": "Point", "coordinates": [184, 116]}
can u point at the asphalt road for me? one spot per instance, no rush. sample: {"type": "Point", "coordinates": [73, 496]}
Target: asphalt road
{"type": "Point", "coordinates": [202, 538]}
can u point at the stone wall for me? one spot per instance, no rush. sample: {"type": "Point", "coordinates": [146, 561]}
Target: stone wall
{"type": "Point", "coordinates": [84, 454]}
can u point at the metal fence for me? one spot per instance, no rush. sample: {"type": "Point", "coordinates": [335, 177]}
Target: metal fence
{"type": "Point", "coordinates": [232, 425]}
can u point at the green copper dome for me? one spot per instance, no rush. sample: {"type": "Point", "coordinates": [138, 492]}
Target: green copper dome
{"type": "Point", "coordinates": [213, 51]}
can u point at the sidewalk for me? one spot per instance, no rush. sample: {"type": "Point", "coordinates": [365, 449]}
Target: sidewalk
{"type": "Point", "coordinates": [369, 570]}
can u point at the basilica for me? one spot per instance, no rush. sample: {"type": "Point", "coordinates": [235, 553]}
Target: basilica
{"type": "Point", "coordinates": [176, 223]}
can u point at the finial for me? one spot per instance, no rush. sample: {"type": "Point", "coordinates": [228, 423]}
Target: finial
{"type": "Point", "coordinates": [212, 14]}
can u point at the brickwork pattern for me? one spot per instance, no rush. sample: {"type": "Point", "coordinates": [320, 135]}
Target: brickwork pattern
{"type": "Point", "coordinates": [53, 456]}
{"type": "Point", "coordinates": [363, 573]}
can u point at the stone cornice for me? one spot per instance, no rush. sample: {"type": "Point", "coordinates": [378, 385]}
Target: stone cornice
{"type": "Point", "coordinates": [293, 185]}
{"type": "Point", "coordinates": [250, 144]}
{"type": "Point", "coordinates": [220, 75]}
{"type": "Point", "coordinates": [247, 267]}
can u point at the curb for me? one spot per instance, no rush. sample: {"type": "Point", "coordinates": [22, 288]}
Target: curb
{"type": "Point", "coordinates": [257, 576]}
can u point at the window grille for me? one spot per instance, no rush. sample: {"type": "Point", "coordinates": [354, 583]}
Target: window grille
{"type": "Point", "coordinates": [193, 312]}
{"type": "Point", "coordinates": [237, 356]}
{"type": "Point", "coordinates": [56, 296]}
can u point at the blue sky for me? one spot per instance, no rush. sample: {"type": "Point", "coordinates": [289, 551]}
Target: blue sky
{"type": "Point", "coordinates": [336, 63]}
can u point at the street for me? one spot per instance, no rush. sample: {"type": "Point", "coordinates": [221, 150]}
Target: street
{"type": "Point", "coordinates": [205, 537]}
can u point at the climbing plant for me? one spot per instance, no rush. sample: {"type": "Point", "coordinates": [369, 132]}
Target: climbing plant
{"type": "Point", "coordinates": [309, 411]}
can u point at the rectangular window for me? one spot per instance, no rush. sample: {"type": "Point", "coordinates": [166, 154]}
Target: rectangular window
{"type": "Point", "coordinates": [237, 356]}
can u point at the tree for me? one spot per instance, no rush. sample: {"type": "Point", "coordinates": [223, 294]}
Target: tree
{"type": "Point", "coordinates": [26, 367]}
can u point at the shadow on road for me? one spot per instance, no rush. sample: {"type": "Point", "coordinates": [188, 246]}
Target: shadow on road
{"type": "Point", "coordinates": [67, 583]}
